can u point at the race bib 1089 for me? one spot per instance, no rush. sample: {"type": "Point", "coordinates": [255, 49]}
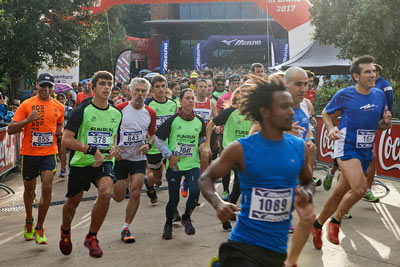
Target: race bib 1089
{"type": "Point", "coordinates": [42, 139]}
{"type": "Point", "coordinates": [271, 205]}
{"type": "Point", "coordinates": [100, 140]}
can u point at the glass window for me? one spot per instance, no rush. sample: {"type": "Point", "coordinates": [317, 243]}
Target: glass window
{"type": "Point", "coordinates": [217, 11]}
{"type": "Point", "coordinates": [232, 10]}
{"type": "Point", "coordinates": [195, 11]}
{"type": "Point", "coordinates": [204, 11]}
{"type": "Point", "coordinates": [184, 11]}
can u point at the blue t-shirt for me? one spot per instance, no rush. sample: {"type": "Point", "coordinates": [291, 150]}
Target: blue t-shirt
{"type": "Point", "coordinates": [360, 115]}
{"type": "Point", "coordinates": [268, 188]}
{"type": "Point", "coordinates": [302, 115]}
{"type": "Point", "coordinates": [385, 86]}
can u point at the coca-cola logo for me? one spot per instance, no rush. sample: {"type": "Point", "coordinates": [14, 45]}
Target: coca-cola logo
{"type": "Point", "coordinates": [326, 146]}
{"type": "Point", "coordinates": [389, 151]}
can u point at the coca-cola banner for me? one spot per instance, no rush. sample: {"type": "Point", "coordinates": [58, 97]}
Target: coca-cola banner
{"type": "Point", "coordinates": [387, 146]}
{"type": "Point", "coordinates": [8, 151]}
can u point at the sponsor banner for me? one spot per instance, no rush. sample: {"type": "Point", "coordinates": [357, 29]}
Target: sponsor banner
{"type": "Point", "coordinates": [8, 151]}
{"type": "Point", "coordinates": [66, 75]}
{"type": "Point", "coordinates": [122, 70]}
{"type": "Point", "coordinates": [284, 52]}
{"type": "Point", "coordinates": [164, 57]}
{"type": "Point", "coordinates": [197, 56]}
{"type": "Point", "coordinates": [288, 13]}
{"type": "Point", "coordinates": [387, 148]}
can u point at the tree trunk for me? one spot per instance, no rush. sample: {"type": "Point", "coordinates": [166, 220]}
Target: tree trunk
{"type": "Point", "coordinates": [17, 84]}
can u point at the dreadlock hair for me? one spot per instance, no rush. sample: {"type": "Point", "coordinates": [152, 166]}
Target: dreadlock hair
{"type": "Point", "coordinates": [260, 96]}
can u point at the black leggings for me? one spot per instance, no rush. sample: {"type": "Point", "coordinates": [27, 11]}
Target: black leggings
{"type": "Point", "coordinates": [236, 186]}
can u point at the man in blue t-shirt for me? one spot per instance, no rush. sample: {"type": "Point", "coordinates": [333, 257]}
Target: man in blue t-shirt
{"type": "Point", "coordinates": [363, 110]}
{"type": "Point", "coordinates": [270, 164]}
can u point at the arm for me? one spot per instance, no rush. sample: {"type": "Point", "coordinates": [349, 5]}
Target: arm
{"type": "Point", "coordinates": [307, 186]}
{"type": "Point", "coordinates": [16, 127]}
{"type": "Point", "coordinates": [333, 132]}
{"type": "Point", "coordinates": [386, 121]}
{"type": "Point", "coordinates": [232, 156]}
{"type": "Point", "coordinates": [69, 141]}
{"type": "Point", "coordinates": [214, 112]}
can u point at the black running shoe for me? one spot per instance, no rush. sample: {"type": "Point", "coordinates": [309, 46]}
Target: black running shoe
{"type": "Point", "coordinates": [177, 218]}
{"type": "Point", "coordinates": [187, 224]}
{"type": "Point", "coordinates": [227, 226]}
{"type": "Point", "coordinates": [167, 233]}
{"type": "Point", "coordinates": [151, 192]}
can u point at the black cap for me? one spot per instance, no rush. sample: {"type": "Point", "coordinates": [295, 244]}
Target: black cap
{"type": "Point", "coordinates": [234, 78]}
{"type": "Point", "coordinates": [45, 78]}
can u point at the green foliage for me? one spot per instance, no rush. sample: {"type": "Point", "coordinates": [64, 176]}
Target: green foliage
{"type": "Point", "coordinates": [132, 19]}
{"type": "Point", "coordinates": [101, 53]}
{"type": "Point", "coordinates": [35, 30]}
{"type": "Point", "coordinates": [396, 103]}
{"type": "Point", "coordinates": [325, 94]}
{"type": "Point", "coordinates": [360, 27]}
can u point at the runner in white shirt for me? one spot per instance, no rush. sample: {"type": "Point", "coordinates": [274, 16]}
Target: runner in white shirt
{"type": "Point", "coordinates": [138, 122]}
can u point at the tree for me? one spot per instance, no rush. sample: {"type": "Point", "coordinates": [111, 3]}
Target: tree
{"type": "Point", "coordinates": [360, 27]}
{"type": "Point", "coordinates": [133, 19]}
{"type": "Point", "coordinates": [101, 53]}
{"type": "Point", "coordinates": [34, 31]}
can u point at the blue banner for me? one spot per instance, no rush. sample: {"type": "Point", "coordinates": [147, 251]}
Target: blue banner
{"type": "Point", "coordinates": [284, 52]}
{"type": "Point", "coordinates": [164, 57]}
{"type": "Point", "coordinates": [197, 56]}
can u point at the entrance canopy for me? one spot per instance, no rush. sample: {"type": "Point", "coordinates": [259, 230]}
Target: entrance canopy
{"type": "Point", "coordinates": [320, 59]}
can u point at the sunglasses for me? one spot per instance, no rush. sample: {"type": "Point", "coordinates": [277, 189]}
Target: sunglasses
{"type": "Point", "coordinates": [46, 85]}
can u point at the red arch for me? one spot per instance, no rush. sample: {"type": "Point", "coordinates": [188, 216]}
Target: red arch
{"type": "Point", "coordinates": [145, 46]}
{"type": "Point", "coordinates": [288, 13]}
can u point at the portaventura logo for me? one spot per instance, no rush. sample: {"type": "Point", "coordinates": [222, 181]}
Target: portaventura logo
{"type": "Point", "coordinates": [389, 151]}
{"type": "Point", "coordinates": [236, 42]}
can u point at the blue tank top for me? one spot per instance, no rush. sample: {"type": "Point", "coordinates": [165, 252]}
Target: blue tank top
{"type": "Point", "coordinates": [302, 115]}
{"type": "Point", "coordinates": [359, 121]}
{"type": "Point", "coordinates": [268, 187]}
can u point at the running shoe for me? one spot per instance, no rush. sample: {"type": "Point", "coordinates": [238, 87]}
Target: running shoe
{"type": "Point", "coordinates": [151, 193]}
{"type": "Point", "coordinates": [227, 226]}
{"type": "Point", "coordinates": [92, 243]}
{"type": "Point", "coordinates": [225, 196]}
{"type": "Point", "coordinates": [34, 200]}
{"type": "Point", "coordinates": [317, 237]}
{"type": "Point", "coordinates": [65, 243]}
{"type": "Point", "coordinates": [184, 188]}
{"type": "Point", "coordinates": [177, 218]}
{"type": "Point", "coordinates": [167, 232]}
{"type": "Point", "coordinates": [62, 174]}
{"type": "Point", "coordinates": [126, 236]}
{"type": "Point", "coordinates": [214, 262]}
{"type": "Point", "coordinates": [333, 232]}
{"type": "Point", "coordinates": [233, 218]}
{"type": "Point", "coordinates": [198, 204]}
{"type": "Point", "coordinates": [291, 229]}
{"type": "Point", "coordinates": [317, 181]}
{"type": "Point", "coordinates": [28, 232]}
{"type": "Point", "coordinates": [369, 196]}
{"type": "Point", "coordinates": [347, 216]}
{"type": "Point", "coordinates": [187, 224]}
{"type": "Point", "coordinates": [328, 180]}
{"type": "Point", "coordinates": [39, 236]}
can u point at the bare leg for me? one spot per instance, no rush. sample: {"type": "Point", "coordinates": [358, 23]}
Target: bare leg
{"type": "Point", "coordinates": [45, 199]}
{"type": "Point", "coordinates": [29, 191]}
{"type": "Point", "coordinates": [134, 198]}
{"type": "Point", "coordinates": [118, 190]}
{"type": "Point", "coordinates": [99, 212]}
{"type": "Point", "coordinates": [69, 209]}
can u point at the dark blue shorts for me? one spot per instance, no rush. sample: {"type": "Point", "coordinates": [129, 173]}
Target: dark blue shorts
{"type": "Point", "coordinates": [32, 166]}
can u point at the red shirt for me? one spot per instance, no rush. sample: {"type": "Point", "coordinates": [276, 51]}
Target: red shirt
{"type": "Point", "coordinates": [81, 96]}
{"type": "Point", "coordinates": [310, 95]}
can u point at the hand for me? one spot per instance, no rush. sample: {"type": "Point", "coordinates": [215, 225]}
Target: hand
{"type": "Point", "coordinates": [99, 159]}
{"type": "Point", "coordinates": [205, 153]}
{"type": "Point", "coordinates": [143, 149]}
{"type": "Point", "coordinates": [226, 210]}
{"type": "Point", "coordinates": [113, 152]}
{"type": "Point", "coordinates": [302, 198]}
{"type": "Point", "coordinates": [217, 129]}
{"type": "Point", "coordinates": [334, 134]}
{"type": "Point", "coordinates": [311, 146]}
{"type": "Point", "coordinates": [387, 116]}
{"type": "Point", "coordinates": [295, 129]}
{"type": "Point", "coordinates": [201, 147]}
{"type": "Point", "coordinates": [173, 162]}
{"type": "Point", "coordinates": [33, 116]}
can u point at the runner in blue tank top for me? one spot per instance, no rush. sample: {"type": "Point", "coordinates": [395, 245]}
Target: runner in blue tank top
{"type": "Point", "coordinates": [270, 164]}
{"type": "Point", "coordinates": [363, 111]}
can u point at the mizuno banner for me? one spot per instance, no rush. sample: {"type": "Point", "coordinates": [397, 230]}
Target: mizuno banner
{"type": "Point", "coordinates": [284, 52]}
{"type": "Point", "coordinates": [122, 71]}
{"type": "Point", "coordinates": [197, 56]}
{"type": "Point", "coordinates": [164, 57]}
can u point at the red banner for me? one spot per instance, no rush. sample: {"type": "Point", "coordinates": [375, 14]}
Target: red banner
{"type": "Point", "coordinates": [8, 151]}
{"type": "Point", "coordinates": [387, 147]}
{"type": "Point", "coordinates": [289, 14]}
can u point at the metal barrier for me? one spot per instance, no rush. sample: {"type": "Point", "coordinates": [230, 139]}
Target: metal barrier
{"type": "Point", "coordinates": [9, 156]}
{"type": "Point", "coordinates": [387, 148]}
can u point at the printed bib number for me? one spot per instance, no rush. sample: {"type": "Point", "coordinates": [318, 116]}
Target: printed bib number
{"type": "Point", "coordinates": [161, 119]}
{"type": "Point", "coordinates": [204, 114]}
{"type": "Point", "coordinates": [184, 150]}
{"type": "Point", "coordinates": [132, 138]}
{"type": "Point", "coordinates": [271, 205]}
{"type": "Point", "coordinates": [42, 139]}
{"type": "Point", "coordinates": [101, 140]}
{"type": "Point", "coordinates": [365, 138]}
